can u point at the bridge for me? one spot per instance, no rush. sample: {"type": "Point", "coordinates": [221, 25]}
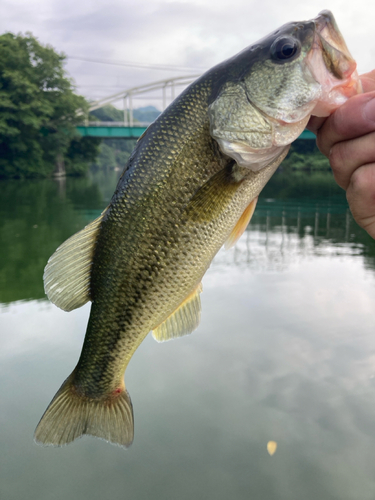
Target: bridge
{"type": "Point", "coordinates": [130, 128]}
{"type": "Point", "coordinates": [112, 130]}
{"type": "Point", "coordinates": [117, 130]}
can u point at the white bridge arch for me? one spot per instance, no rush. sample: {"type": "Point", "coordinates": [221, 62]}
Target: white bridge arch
{"type": "Point", "coordinates": [166, 86]}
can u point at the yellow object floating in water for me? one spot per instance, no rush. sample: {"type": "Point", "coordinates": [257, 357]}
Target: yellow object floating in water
{"type": "Point", "coordinates": [271, 447]}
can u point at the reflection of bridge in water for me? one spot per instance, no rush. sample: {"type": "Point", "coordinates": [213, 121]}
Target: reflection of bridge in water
{"type": "Point", "coordinates": [129, 128]}
{"type": "Point", "coordinates": [281, 234]}
{"type": "Point", "coordinates": [284, 233]}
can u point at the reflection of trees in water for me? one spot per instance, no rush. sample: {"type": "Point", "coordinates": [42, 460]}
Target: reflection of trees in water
{"type": "Point", "coordinates": [35, 218]}
{"type": "Point", "coordinates": [283, 233]}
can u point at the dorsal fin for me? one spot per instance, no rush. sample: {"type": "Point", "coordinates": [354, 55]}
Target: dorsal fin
{"type": "Point", "coordinates": [241, 225]}
{"type": "Point", "coordinates": [183, 320]}
{"type": "Point", "coordinates": [68, 271]}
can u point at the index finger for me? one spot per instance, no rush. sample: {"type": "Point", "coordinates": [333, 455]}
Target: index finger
{"type": "Point", "coordinates": [368, 81]}
{"type": "Point", "coordinates": [368, 85]}
{"type": "Point", "coordinates": [353, 119]}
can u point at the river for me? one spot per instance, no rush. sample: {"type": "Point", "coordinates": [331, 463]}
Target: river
{"type": "Point", "coordinates": [285, 352]}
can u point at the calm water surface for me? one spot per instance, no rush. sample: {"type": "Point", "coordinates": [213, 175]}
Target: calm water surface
{"type": "Point", "coordinates": [285, 352]}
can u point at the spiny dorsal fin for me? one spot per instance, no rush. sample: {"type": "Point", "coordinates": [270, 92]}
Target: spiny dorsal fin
{"type": "Point", "coordinates": [241, 225]}
{"type": "Point", "coordinates": [68, 271]}
{"type": "Point", "coordinates": [183, 320]}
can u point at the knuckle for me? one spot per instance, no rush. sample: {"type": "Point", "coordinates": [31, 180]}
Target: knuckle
{"type": "Point", "coordinates": [338, 156]}
{"type": "Point", "coordinates": [361, 197]}
{"type": "Point", "coordinates": [362, 183]}
{"type": "Point", "coordinates": [357, 183]}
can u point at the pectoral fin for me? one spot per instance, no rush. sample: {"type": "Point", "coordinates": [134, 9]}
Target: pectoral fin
{"type": "Point", "coordinates": [68, 271]}
{"type": "Point", "coordinates": [241, 225]}
{"type": "Point", "coordinates": [209, 200]}
{"type": "Point", "coordinates": [184, 320]}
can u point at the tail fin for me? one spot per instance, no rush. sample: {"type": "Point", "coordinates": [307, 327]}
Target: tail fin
{"type": "Point", "coordinates": [70, 416]}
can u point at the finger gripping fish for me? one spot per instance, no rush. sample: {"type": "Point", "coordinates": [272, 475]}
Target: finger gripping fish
{"type": "Point", "coordinates": [190, 186]}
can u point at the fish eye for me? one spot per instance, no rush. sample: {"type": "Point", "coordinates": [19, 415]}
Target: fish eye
{"type": "Point", "coordinates": [284, 48]}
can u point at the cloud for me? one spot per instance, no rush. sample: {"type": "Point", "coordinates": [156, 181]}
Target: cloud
{"type": "Point", "coordinates": [174, 32]}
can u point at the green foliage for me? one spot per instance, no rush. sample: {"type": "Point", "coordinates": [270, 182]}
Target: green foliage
{"type": "Point", "coordinates": [81, 153]}
{"type": "Point", "coordinates": [147, 114]}
{"type": "Point", "coordinates": [286, 184]}
{"type": "Point", "coordinates": [305, 156]}
{"type": "Point", "coordinates": [305, 172]}
{"type": "Point", "coordinates": [107, 157]}
{"type": "Point", "coordinates": [38, 110]}
{"type": "Point", "coordinates": [114, 153]}
{"type": "Point", "coordinates": [108, 114]}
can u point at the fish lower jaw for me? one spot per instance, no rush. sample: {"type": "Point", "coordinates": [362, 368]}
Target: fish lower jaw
{"type": "Point", "coordinates": [253, 159]}
{"type": "Point", "coordinates": [336, 96]}
{"type": "Point", "coordinates": [337, 77]}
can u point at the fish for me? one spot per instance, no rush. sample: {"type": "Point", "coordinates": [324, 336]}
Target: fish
{"type": "Point", "coordinates": [190, 186]}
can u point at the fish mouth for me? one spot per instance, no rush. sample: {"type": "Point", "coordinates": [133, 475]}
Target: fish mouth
{"type": "Point", "coordinates": [331, 65]}
{"type": "Point", "coordinates": [336, 55]}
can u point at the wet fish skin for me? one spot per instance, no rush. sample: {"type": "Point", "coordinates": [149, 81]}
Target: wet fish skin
{"type": "Point", "coordinates": [157, 267]}
{"type": "Point", "coordinates": [187, 185]}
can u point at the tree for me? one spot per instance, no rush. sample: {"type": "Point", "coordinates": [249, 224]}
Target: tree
{"type": "Point", "coordinates": [108, 114]}
{"type": "Point", "coordinates": [38, 110]}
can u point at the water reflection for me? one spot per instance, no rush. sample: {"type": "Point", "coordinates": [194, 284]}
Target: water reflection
{"type": "Point", "coordinates": [284, 232]}
{"type": "Point", "coordinates": [37, 216]}
{"type": "Point", "coordinates": [285, 352]}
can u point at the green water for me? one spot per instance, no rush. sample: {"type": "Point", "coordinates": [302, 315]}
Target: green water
{"type": "Point", "coordinates": [285, 352]}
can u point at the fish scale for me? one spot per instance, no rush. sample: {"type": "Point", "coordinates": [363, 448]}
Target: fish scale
{"type": "Point", "coordinates": [190, 185]}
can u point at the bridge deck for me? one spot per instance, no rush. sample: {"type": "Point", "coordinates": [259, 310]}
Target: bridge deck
{"type": "Point", "coordinates": [116, 131]}
{"type": "Point", "coordinates": [107, 132]}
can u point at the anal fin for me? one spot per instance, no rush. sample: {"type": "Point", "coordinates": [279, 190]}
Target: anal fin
{"type": "Point", "coordinates": [241, 225]}
{"type": "Point", "coordinates": [184, 320]}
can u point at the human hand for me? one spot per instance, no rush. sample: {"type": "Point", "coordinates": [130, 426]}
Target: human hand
{"type": "Point", "coordinates": [347, 138]}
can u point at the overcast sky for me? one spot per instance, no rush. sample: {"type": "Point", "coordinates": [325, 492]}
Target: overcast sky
{"type": "Point", "coordinates": [189, 36]}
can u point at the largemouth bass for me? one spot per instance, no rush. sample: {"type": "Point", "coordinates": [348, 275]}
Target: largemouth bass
{"type": "Point", "coordinates": [190, 186]}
